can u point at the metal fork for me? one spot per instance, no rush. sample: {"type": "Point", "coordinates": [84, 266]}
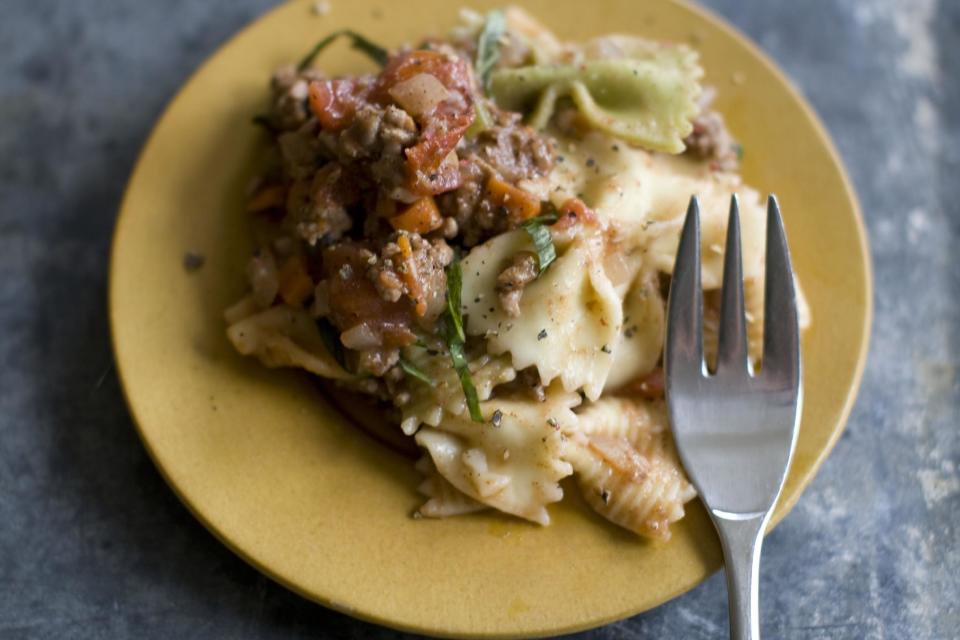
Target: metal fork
{"type": "Point", "coordinates": [735, 429]}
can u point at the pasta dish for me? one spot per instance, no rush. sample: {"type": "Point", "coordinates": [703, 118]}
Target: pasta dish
{"type": "Point", "coordinates": [479, 237]}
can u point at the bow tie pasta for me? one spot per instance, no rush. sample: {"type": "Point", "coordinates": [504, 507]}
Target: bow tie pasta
{"type": "Point", "coordinates": [479, 238]}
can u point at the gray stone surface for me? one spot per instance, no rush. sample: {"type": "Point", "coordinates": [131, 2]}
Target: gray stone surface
{"type": "Point", "coordinates": [94, 545]}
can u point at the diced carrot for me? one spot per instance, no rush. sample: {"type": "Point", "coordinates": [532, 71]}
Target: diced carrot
{"type": "Point", "coordinates": [295, 282]}
{"type": "Point", "coordinates": [519, 204]}
{"type": "Point", "coordinates": [421, 217]}
{"type": "Point", "coordinates": [268, 197]}
{"type": "Point", "coordinates": [410, 275]}
{"type": "Point", "coordinates": [405, 249]}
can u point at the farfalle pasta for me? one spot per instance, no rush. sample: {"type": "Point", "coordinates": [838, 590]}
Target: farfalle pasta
{"type": "Point", "coordinates": [479, 238]}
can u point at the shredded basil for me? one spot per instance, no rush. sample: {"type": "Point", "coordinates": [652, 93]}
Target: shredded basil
{"type": "Point", "coordinates": [481, 122]}
{"type": "Point", "coordinates": [331, 340]}
{"type": "Point", "coordinates": [537, 229]}
{"type": "Point", "coordinates": [454, 287]}
{"type": "Point", "coordinates": [375, 52]}
{"type": "Point", "coordinates": [455, 338]}
{"type": "Point", "coordinates": [460, 365]}
{"type": "Point", "coordinates": [414, 371]}
{"type": "Point", "coordinates": [488, 46]}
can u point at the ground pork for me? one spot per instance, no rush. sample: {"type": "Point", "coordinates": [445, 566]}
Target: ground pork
{"type": "Point", "coordinates": [377, 135]}
{"type": "Point", "coordinates": [290, 91]}
{"type": "Point", "coordinates": [300, 151]}
{"type": "Point", "coordinates": [473, 214]}
{"type": "Point", "coordinates": [511, 152]}
{"type": "Point", "coordinates": [317, 208]}
{"type": "Point", "coordinates": [710, 139]}
{"type": "Point", "coordinates": [420, 276]}
{"type": "Point", "coordinates": [513, 279]}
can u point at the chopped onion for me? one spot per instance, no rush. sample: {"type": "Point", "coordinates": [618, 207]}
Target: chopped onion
{"type": "Point", "coordinates": [263, 277]}
{"type": "Point", "coordinates": [450, 161]}
{"type": "Point", "coordinates": [419, 95]}
{"type": "Point", "coordinates": [360, 337]}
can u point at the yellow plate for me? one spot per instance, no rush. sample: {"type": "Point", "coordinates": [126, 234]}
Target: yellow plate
{"type": "Point", "coordinates": [298, 492]}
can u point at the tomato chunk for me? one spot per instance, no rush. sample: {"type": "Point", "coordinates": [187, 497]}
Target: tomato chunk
{"type": "Point", "coordinates": [334, 102]}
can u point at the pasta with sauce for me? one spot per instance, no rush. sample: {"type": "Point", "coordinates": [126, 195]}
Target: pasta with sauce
{"type": "Point", "coordinates": [479, 237]}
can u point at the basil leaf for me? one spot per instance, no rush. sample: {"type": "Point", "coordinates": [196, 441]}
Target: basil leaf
{"type": "Point", "coordinates": [460, 365]}
{"type": "Point", "coordinates": [375, 52]}
{"type": "Point", "coordinates": [454, 287]}
{"type": "Point", "coordinates": [488, 46]}
{"type": "Point", "coordinates": [453, 334]}
{"type": "Point", "coordinates": [481, 122]}
{"type": "Point", "coordinates": [331, 340]}
{"type": "Point", "coordinates": [414, 371]}
{"type": "Point", "coordinates": [537, 229]}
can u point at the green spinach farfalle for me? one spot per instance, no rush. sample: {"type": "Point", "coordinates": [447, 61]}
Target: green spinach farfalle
{"type": "Point", "coordinates": [636, 90]}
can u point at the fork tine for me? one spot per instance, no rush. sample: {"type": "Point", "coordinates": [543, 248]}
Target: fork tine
{"type": "Point", "coordinates": [684, 344]}
{"type": "Point", "coordinates": [781, 335]}
{"type": "Point", "coordinates": [732, 349]}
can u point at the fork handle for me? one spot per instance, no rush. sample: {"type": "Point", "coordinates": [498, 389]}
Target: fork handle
{"type": "Point", "coordinates": [741, 538]}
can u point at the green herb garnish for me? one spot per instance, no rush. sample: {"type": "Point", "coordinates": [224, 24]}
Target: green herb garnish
{"type": "Point", "coordinates": [460, 365]}
{"type": "Point", "coordinates": [454, 287]}
{"type": "Point", "coordinates": [331, 340]}
{"type": "Point", "coordinates": [414, 371]}
{"type": "Point", "coordinates": [481, 122]}
{"type": "Point", "coordinates": [375, 52]}
{"type": "Point", "coordinates": [537, 229]}
{"type": "Point", "coordinates": [488, 46]}
{"type": "Point", "coordinates": [455, 338]}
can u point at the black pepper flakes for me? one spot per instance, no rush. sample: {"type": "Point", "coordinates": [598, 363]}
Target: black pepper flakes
{"type": "Point", "coordinates": [496, 418]}
{"type": "Point", "coordinates": [605, 349]}
{"type": "Point", "coordinates": [542, 334]}
{"type": "Point", "coordinates": [591, 162]}
{"type": "Point", "coordinates": [553, 423]}
{"type": "Point", "coordinates": [605, 496]}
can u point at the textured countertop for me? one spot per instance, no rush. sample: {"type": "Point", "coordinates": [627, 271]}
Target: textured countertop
{"type": "Point", "coordinates": [94, 545]}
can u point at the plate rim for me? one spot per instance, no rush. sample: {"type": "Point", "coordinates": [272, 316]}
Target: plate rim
{"type": "Point", "coordinates": [785, 503]}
